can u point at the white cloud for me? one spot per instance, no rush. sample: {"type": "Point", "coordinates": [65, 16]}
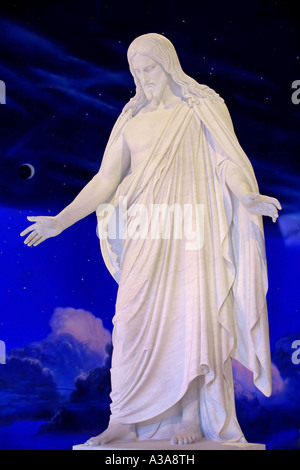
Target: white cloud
{"type": "Point", "coordinates": [81, 325]}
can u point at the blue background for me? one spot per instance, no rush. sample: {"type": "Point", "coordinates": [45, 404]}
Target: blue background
{"type": "Point", "coordinates": [66, 74]}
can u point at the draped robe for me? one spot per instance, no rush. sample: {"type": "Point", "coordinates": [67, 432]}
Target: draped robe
{"type": "Point", "coordinates": [183, 314]}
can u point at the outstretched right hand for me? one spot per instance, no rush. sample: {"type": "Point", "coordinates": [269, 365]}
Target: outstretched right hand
{"type": "Point", "coordinates": [43, 228]}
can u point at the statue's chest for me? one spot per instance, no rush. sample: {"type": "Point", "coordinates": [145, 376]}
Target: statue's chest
{"type": "Point", "coordinates": [144, 130]}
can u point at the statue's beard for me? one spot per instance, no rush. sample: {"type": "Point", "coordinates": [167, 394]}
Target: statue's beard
{"type": "Point", "coordinates": [155, 91]}
{"type": "Point", "coordinates": [149, 95]}
{"type": "Point", "coordinates": [153, 96]}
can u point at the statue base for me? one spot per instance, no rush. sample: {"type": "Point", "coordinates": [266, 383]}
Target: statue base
{"type": "Point", "coordinates": [165, 445]}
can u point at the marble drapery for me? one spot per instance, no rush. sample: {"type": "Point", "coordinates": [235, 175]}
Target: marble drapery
{"type": "Point", "coordinates": [183, 314]}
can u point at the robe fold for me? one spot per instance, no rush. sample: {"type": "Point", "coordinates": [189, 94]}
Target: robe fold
{"type": "Point", "coordinates": [185, 307]}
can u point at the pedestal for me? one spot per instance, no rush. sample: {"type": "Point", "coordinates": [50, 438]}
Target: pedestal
{"type": "Point", "coordinates": [156, 445]}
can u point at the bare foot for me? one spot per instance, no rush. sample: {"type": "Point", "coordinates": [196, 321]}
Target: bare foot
{"type": "Point", "coordinates": [114, 432]}
{"type": "Point", "coordinates": [185, 436]}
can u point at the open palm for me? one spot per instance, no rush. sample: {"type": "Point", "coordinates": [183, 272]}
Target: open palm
{"type": "Point", "coordinates": [43, 228]}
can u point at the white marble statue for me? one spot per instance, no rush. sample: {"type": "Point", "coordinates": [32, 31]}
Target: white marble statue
{"type": "Point", "coordinates": [182, 313]}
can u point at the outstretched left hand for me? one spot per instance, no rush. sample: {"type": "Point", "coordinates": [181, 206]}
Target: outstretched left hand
{"type": "Point", "coordinates": [262, 205]}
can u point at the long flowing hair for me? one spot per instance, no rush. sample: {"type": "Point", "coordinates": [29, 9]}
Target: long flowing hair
{"type": "Point", "coordinates": [162, 51]}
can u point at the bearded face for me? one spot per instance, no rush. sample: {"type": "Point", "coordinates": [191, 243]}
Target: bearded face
{"type": "Point", "coordinates": [151, 76]}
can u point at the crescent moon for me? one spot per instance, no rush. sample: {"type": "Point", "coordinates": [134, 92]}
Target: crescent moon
{"type": "Point", "coordinates": [32, 170]}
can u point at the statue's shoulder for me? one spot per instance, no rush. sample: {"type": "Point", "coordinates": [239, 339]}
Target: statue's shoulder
{"type": "Point", "coordinates": [118, 127]}
{"type": "Point", "coordinates": [207, 92]}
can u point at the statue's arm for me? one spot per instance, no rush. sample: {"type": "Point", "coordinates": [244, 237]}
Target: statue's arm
{"type": "Point", "coordinates": [100, 189]}
{"type": "Point", "coordinates": [253, 202]}
{"type": "Point", "coordinates": [114, 167]}
{"type": "Point", "coordinates": [218, 120]}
